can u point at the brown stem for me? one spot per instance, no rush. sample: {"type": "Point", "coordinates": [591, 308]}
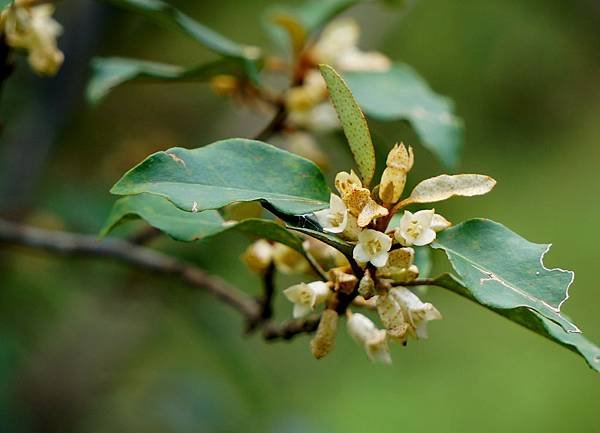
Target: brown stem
{"type": "Point", "coordinates": [143, 258]}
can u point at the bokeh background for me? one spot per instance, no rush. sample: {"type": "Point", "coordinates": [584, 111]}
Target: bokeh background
{"type": "Point", "coordinates": [90, 346]}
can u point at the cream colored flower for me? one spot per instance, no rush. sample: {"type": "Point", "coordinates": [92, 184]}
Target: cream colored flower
{"type": "Point", "coordinates": [358, 199]}
{"type": "Point", "coordinates": [392, 316]}
{"type": "Point", "coordinates": [258, 256]}
{"type": "Point", "coordinates": [325, 254]}
{"type": "Point", "coordinates": [322, 343]}
{"type": "Point", "coordinates": [338, 46]}
{"type": "Point", "coordinates": [335, 218]}
{"type": "Point", "coordinates": [32, 28]}
{"type": "Point", "coordinates": [374, 340]}
{"type": "Point", "coordinates": [399, 162]}
{"type": "Point", "coordinates": [372, 246]}
{"type": "Point", "coordinates": [399, 267]}
{"type": "Point", "coordinates": [416, 313]}
{"type": "Point", "coordinates": [306, 296]}
{"type": "Point", "coordinates": [289, 261]}
{"type": "Point", "coordinates": [415, 228]}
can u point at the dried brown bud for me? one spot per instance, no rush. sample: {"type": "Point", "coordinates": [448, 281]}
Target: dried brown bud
{"type": "Point", "coordinates": [324, 339]}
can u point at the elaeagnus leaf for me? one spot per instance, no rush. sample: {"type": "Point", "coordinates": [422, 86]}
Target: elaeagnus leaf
{"type": "Point", "coordinates": [190, 226]}
{"type": "Point", "coordinates": [229, 171]}
{"type": "Point", "coordinates": [532, 320]}
{"type": "Point", "coordinates": [503, 271]}
{"type": "Point", "coordinates": [353, 123]}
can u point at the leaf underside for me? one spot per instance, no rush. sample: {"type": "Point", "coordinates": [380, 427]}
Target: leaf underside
{"type": "Point", "coordinates": [108, 73]}
{"type": "Point", "coordinates": [353, 123]}
{"type": "Point", "coordinates": [229, 171]}
{"type": "Point", "coordinates": [169, 17]}
{"type": "Point", "coordinates": [402, 94]}
{"type": "Point", "coordinates": [502, 270]}
{"type": "Point", "coordinates": [532, 320]}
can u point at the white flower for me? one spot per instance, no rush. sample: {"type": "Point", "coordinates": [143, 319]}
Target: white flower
{"type": "Point", "coordinates": [415, 228]}
{"type": "Point", "coordinates": [334, 219]}
{"type": "Point", "coordinates": [338, 46]}
{"type": "Point", "coordinates": [34, 29]}
{"type": "Point", "coordinates": [289, 261]}
{"type": "Point", "coordinates": [416, 312]}
{"type": "Point", "coordinates": [357, 60]}
{"type": "Point", "coordinates": [339, 37]}
{"type": "Point", "coordinates": [259, 256]}
{"type": "Point", "coordinates": [372, 339]}
{"type": "Point", "coordinates": [372, 246]}
{"type": "Point", "coordinates": [320, 117]}
{"type": "Point", "coordinates": [306, 296]}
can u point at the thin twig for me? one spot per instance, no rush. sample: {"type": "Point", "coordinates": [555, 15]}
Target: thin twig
{"type": "Point", "coordinates": [143, 258]}
{"type": "Point", "coordinates": [69, 244]}
{"type": "Point", "coordinates": [145, 236]}
{"type": "Point", "coordinates": [291, 328]}
{"type": "Point", "coordinates": [274, 126]}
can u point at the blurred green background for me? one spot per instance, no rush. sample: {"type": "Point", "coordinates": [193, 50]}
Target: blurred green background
{"type": "Point", "coordinates": [90, 346]}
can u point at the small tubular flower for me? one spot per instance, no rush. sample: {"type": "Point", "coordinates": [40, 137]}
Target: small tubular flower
{"type": "Point", "coordinates": [358, 199]}
{"type": "Point", "coordinates": [366, 286]}
{"type": "Point", "coordinates": [374, 340]}
{"type": "Point", "coordinates": [338, 46]}
{"type": "Point", "coordinates": [372, 246]}
{"type": "Point", "coordinates": [322, 343]}
{"type": "Point", "coordinates": [306, 296]}
{"type": "Point", "coordinates": [391, 315]}
{"type": "Point", "coordinates": [398, 164]}
{"type": "Point", "coordinates": [334, 219]}
{"type": "Point", "coordinates": [32, 28]}
{"type": "Point", "coordinates": [416, 312]}
{"type": "Point", "coordinates": [258, 256]}
{"type": "Point", "coordinates": [399, 267]}
{"type": "Point", "coordinates": [289, 261]}
{"type": "Point", "coordinates": [415, 228]}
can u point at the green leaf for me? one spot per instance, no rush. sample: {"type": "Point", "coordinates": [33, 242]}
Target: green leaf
{"type": "Point", "coordinates": [423, 261]}
{"type": "Point", "coordinates": [401, 94]}
{"type": "Point", "coordinates": [5, 3]}
{"type": "Point", "coordinates": [230, 171]}
{"type": "Point", "coordinates": [533, 321]}
{"type": "Point", "coordinates": [171, 18]}
{"type": "Point", "coordinates": [108, 73]}
{"type": "Point", "coordinates": [188, 226]}
{"type": "Point", "coordinates": [504, 271]}
{"type": "Point", "coordinates": [353, 123]}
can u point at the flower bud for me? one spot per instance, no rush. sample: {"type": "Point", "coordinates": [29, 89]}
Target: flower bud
{"type": "Point", "coordinates": [324, 339]}
{"type": "Point", "coordinates": [392, 317]}
{"type": "Point", "coordinates": [289, 261]}
{"type": "Point", "coordinates": [342, 280]}
{"type": "Point", "coordinates": [224, 85]}
{"type": "Point", "coordinates": [258, 256]}
{"type": "Point", "coordinates": [366, 287]}
{"type": "Point", "coordinates": [374, 340]}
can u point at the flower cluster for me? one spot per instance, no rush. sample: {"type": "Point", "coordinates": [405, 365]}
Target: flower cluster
{"type": "Point", "coordinates": [31, 27]}
{"type": "Point", "coordinates": [379, 238]}
{"type": "Point", "coordinates": [307, 104]}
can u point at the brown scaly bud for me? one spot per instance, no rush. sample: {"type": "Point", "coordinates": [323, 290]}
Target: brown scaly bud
{"type": "Point", "coordinates": [322, 343]}
{"type": "Point", "coordinates": [366, 287]}
{"type": "Point", "coordinates": [398, 164]}
{"type": "Point", "coordinates": [342, 280]}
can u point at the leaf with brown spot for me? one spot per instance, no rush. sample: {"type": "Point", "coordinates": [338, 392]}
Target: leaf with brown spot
{"type": "Point", "coordinates": [353, 123]}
